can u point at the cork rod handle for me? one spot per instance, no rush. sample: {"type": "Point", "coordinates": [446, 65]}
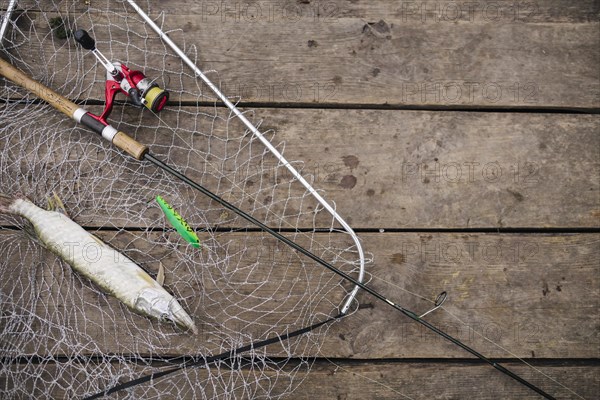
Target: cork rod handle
{"type": "Point", "coordinates": [130, 146]}
{"type": "Point", "coordinates": [64, 105]}
{"type": "Point", "coordinates": [57, 101]}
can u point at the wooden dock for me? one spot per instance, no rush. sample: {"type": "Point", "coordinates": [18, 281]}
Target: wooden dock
{"type": "Point", "coordinates": [462, 142]}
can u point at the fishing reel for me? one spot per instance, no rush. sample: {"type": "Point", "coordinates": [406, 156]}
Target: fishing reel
{"type": "Point", "coordinates": [119, 78]}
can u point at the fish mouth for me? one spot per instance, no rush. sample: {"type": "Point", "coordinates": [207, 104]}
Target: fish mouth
{"type": "Point", "coordinates": [181, 318]}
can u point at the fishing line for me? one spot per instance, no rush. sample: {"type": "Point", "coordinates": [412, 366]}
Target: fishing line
{"type": "Point", "coordinates": [242, 189]}
{"type": "Point", "coordinates": [533, 367]}
{"type": "Point", "coordinates": [496, 344]}
{"type": "Point", "coordinates": [240, 115]}
{"type": "Point", "coordinates": [354, 373]}
{"type": "Point", "coordinates": [141, 152]}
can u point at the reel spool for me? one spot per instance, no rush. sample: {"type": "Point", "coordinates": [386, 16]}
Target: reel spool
{"type": "Point", "coordinates": [119, 78]}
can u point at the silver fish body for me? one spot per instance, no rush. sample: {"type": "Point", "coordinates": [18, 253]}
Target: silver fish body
{"type": "Point", "coordinates": [112, 271]}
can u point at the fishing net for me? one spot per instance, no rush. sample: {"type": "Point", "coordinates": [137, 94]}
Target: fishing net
{"type": "Point", "coordinates": [60, 336]}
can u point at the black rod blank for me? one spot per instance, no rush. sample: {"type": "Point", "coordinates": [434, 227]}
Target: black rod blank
{"type": "Point", "coordinates": [345, 276]}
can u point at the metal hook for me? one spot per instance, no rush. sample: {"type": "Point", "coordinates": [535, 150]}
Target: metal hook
{"type": "Point", "coordinates": [439, 301]}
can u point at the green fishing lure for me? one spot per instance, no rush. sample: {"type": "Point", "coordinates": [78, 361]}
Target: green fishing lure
{"type": "Point", "coordinates": [180, 225]}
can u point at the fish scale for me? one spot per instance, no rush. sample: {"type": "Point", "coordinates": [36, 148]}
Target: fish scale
{"type": "Point", "coordinates": [113, 272]}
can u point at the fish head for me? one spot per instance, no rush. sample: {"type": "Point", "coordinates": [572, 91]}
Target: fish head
{"type": "Point", "coordinates": [157, 303]}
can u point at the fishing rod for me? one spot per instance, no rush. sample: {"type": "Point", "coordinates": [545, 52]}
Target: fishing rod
{"type": "Point", "coordinates": [257, 134]}
{"type": "Point", "coordinates": [141, 152]}
{"type": "Point", "coordinates": [204, 361]}
{"type": "Point", "coordinates": [146, 93]}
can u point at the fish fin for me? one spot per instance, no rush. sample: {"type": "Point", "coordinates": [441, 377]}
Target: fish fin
{"type": "Point", "coordinates": [160, 276]}
{"type": "Point", "coordinates": [56, 204]}
{"type": "Point", "coordinates": [30, 231]}
{"type": "Point", "coordinates": [98, 240]}
{"type": "Point", "coordinates": [5, 203]}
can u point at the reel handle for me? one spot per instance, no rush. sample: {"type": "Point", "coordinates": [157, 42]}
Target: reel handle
{"type": "Point", "coordinates": [84, 39]}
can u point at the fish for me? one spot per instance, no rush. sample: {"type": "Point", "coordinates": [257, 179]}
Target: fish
{"type": "Point", "coordinates": [114, 273]}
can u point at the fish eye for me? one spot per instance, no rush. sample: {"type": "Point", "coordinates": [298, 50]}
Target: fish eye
{"type": "Point", "coordinates": [167, 318]}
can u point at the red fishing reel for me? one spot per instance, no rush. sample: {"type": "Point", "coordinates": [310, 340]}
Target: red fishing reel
{"type": "Point", "coordinates": [119, 78]}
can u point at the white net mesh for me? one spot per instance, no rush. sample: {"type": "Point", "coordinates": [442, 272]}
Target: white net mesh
{"type": "Point", "coordinates": [60, 336]}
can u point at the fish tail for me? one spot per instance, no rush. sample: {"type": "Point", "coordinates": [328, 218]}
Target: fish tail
{"type": "Point", "coordinates": [5, 203]}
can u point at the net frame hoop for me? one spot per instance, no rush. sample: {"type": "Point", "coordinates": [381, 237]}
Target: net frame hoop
{"type": "Point", "coordinates": [252, 128]}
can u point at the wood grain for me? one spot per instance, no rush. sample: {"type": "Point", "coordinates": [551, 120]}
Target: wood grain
{"type": "Point", "coordinates": [385, 53]}
{"type": "Point", "coordinates": [342, 64]}
{"type": "Point", "coordinates": [328, 381]}
{"type": "Point", "coordinates": [383, 169]}
{"type": "Point", "coordinates": [534, 295]}
{"type": "Point", "coordinates": [16, 76]}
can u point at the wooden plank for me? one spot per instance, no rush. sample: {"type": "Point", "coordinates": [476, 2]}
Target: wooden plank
{"type": "Point", "coordinates": [506, 287]}
{"type": "Point", "coordinates": [383, 169]}
{"type": "Point", "coordinates": [503, 287]}
{"type": "Point", "coordinates": [293, 11]}
{"type": "Point", "coordinates": [448, 54]}
{"type": "Point", "coordinates": [237, 288]}
{"type": "Point", "coordinates": [325, 380]}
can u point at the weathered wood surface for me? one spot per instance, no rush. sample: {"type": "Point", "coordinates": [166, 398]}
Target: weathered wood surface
{"type": "Point", "coordinates": [383, 169]}
{"type": "Point", "coordinates": [331, 380]}
{"type": "Point", "coordinates": [531, 54]}
{"type": "Point", "coordinates": [535, 295]}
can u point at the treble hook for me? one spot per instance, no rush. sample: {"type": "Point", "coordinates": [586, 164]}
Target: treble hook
{"type": "Point", "coordinates": [439, 301]}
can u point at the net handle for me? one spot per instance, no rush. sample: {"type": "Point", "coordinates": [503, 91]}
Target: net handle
{"type": "Point", "coordinates": [350, 298]}
{"type": "Point", "coordinates": [6, 19]}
